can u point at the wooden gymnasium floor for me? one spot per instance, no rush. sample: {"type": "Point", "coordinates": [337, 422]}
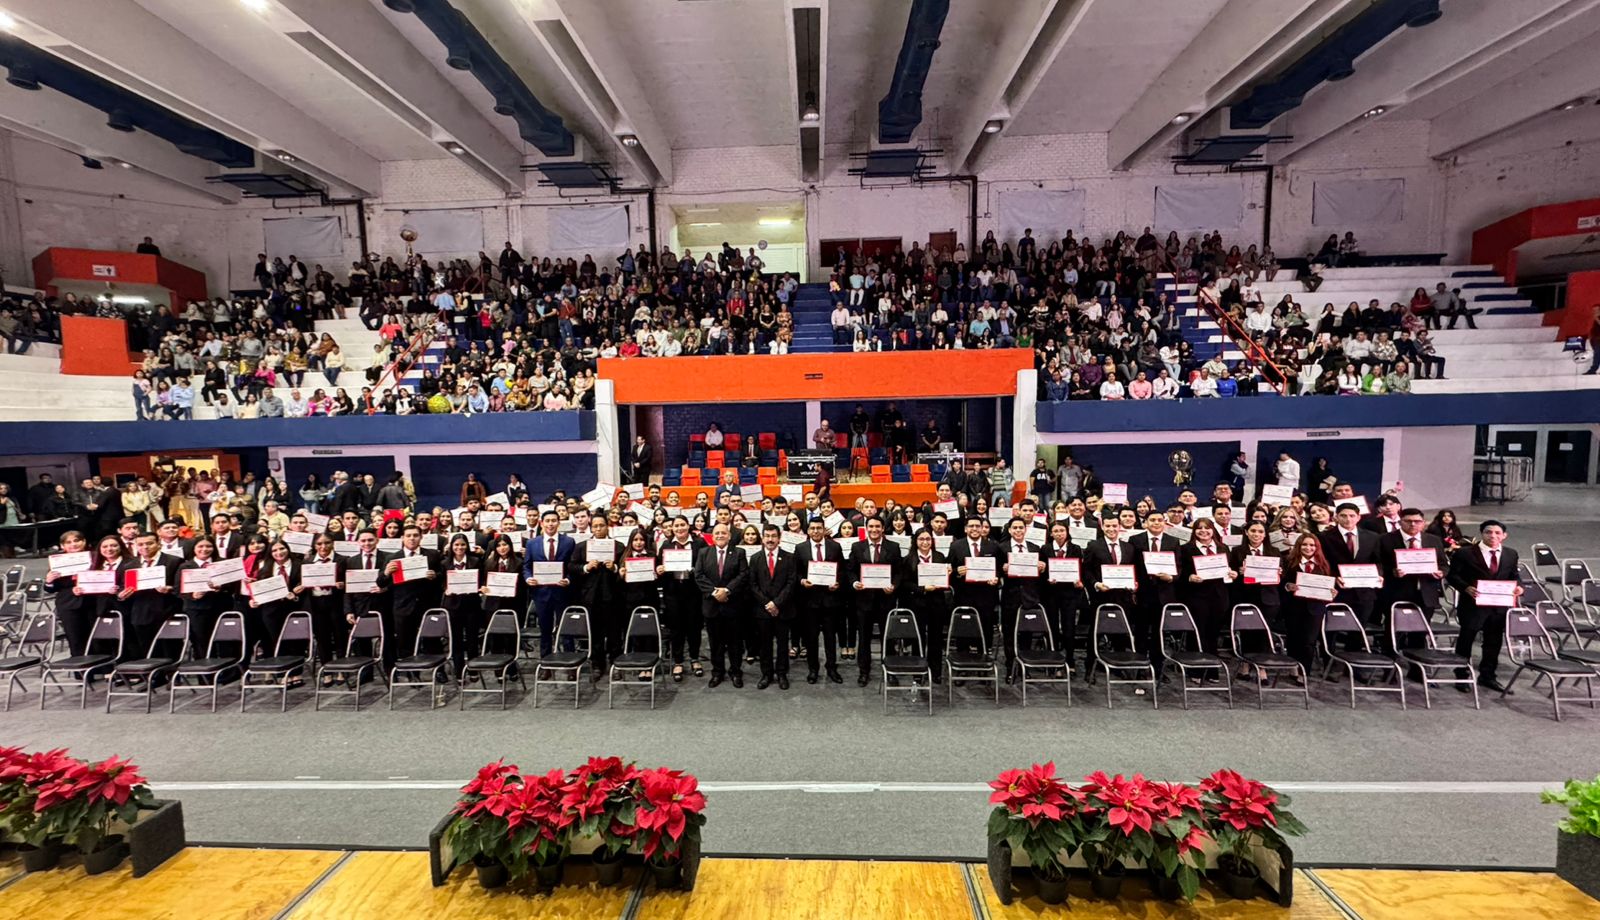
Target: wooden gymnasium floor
{"type": "Point", "coordinates": [341, 885]}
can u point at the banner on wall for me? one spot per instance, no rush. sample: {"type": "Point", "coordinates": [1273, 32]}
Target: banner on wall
{"type": "Point", "coordinates": [1200, 206]}
{"type": "Point", "coordinates": [1050, 213]}
{"type": "Point", "coordinates": [312, 239]}
{"type": "Point", "coordinates": [456, 233]}
{"type": "Point", "coordinates": [602, 231]}
{"type": "Point", "coordinates": [1347, 203]}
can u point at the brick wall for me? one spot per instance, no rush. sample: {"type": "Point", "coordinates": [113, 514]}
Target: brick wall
{"type": "Point", "coordinates": [1497, 181]}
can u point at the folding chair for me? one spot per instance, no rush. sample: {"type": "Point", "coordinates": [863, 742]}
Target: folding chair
{"type": "Point", "coordinates": [641, 655]}
{"type": "Point", "coordinates": [78, 670]}
{"type": "Point", "coordinates": [903, 657]}
{"type": "Point", "coordinates": [1545, 558]}
{"type": "Point", "coordinates": [572, 628]}
{"type": "Point", "coordinates": [367, 628]}
{"type": "Point", "coordinates": [1574, 572]}
{"type": "Point", "coordinates": [209, 671]}
{"type": "Point", "coordinates": [1033, 626]}
{"type": "Point", "coordinates": [963, 664]}
{"type": "Point", "coordinates": [275, 671]}
{"type": "Point", "coordinates": [421, 668]}
{"type": "Point", "coordinates": [1533, 650]}
{"type": "Point", "coordinates": [1429, 660]}
{"type": "Point", "coordinates": [29, 649]}
{"type": "Point", "coordinates": [488, 663]}
{"type": "Point", "coordinates": [1558, 624]}
{"type": "Point", "coordinates": [1178, 625]}
{"type": "Point", "coordinates": [1588, 603]}
{"type": "Point", "coordinates": [1247, 620]}
{"type": "Point", "coordinates": [147, 671]}
{"type": "Point", "coordinates": [1340, 620]}
{"type": "Point", "coordinates": [1111, 625]}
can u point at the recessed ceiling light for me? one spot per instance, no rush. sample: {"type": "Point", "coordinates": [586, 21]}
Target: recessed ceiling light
{"type": "Point", "coordinates": [775, 221]}
{"type": "Point", "coordinates": [993, 126]}
{"type": "Point", "coordinates": [810, 113]}
{"type": "Point", "coordinates": [124, 164]}
{"type": "Point", "coordinates": [1375, 111]}
{"type": "Point", "coordinates": [1181, 117]}
{"type": "Point", "coordinates": [1569, 106]}
{"type": "Point", "coordinates": [285, 156]}
{"type": "Point", "coordinates": [7, 21]}
{"type": "Point", "coordinates": [456, 149]}
{"type": "Point", "coordinates": [629, 140]}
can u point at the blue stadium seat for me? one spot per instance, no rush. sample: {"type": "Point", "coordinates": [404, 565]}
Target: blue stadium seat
{"type": "Point", "coordinates": [878, 456]}
{"type": "Point", "coordinates": [902, 472]}
{"type": "Point", "coordinates": [938, 470]}
{"type": "Point", "coordinates": [672, 476]}
{"type": "Point", "coordinates": [769, 458]}
{"type": "Point", "coordinates": [747, 475]}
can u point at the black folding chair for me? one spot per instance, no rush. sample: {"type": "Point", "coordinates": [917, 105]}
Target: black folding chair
{"type": "Point", "coordinates": [1247, 622]}
{"type": "Point", "coordinates": [488, 663]}
{"type": "Point", "coordinates": [572, 628]}
{"type": "Point", "coordinates": [1572, 640]}
{"type": "Point", "coordinates": [1430, 660]}
{"type": "Point", "coordinates": [1177, 628]}
{"type": "Point", "coordinates": [961, 662]}
{"type": "Point", "coordinates": [78, 670]}
{"type": "Point", "coordinates": [278, 669]}
{"type": "Point", "coordinates": [33, 644]}
{"type": "Point", "coordinates": [1532, 649]}
{"type": "Point", "coordinates": [639, 665]}
{"type": "Point", "coordinates": [140, 676]}
{"type": "Point", "coordinates": [1545, 558]}
{"type": "Point", "coordinates": [1338, 620]}
{"type": "Point", "coordinates": [1034, 645]}
{"type": "Point", "coordinates": [425, 668]}
{"type": "Point", "coordinates": [353, 667]}
{"type": "Point", "coordinates": [207, 672]}
{"type": "Point", "coordinates": [1574, 572]}
{"type": "Point", "coordinates": [903, 658]}
{"type": "Point", "coordinates": [1116, 651]}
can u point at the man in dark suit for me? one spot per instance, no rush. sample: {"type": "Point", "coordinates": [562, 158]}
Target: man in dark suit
{"type": "Point", "coordinates": [102, 509]}
{"type": "Point", "coordinates": [1063, 602]}
{"type": "Point", "coordinates": [1019, 590]}
{"type": "Point", "coordinates": [1108, 549]}
{"type": "Point", "coordinates": [549, 545]}
{"type": "Point", "coordinates": [170, 544]}
{"type": "Point", "coordinates": [1487, 560]}
{"type": "Point", "coordinates": [357, 603]}
{"type": "Point", "coordinates": [343, 497]}
{"type": "Point", "coordinates": [982, 596]}
{"type": "Point", "coordinates": [145, 610]}
{"type": "Point", "coordinates": [1385, 518]}
{"type": "Point", "coordinates": [820, 605]}
{"type": "Point", "coordinates": [229, 544]}
{"type": "Point", "coordinates": [681, 601]}
{"type": "Point", "coordinates": [872, 604]}
{"type": "Point", "coordinates": [1346, 543]}
{"type": "Point", "coordinates": [774, 584]}
{"type": "Point", "coordinates": [639, 460]}
{"type": "Point", "coordinates": [1422, 590]}
{"type": "Point", "coordinates": [1159, 590]}
{"type": "Point", "coordinates": [597, 575]}
{"type": "Point", "coordinates": [721, 573]}
{"type": "Point", "coordinates": [411, 596]}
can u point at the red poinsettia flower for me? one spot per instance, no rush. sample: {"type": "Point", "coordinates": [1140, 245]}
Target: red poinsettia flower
{"type": "Point", "coordinates": [1172, 799]}
{"type": "Point", "coordinates": [114, 780]}
{"type": "Point", "coordinates": [667, 798]}
{"type": "Point", "coordinates": [1244, 803]}
{"type": "Point", "coordinates": [1129, 804]}
{"type": "Point", "coordinates": [1193, 841]}
{"type": "Point", "coordinates": [491, 778]}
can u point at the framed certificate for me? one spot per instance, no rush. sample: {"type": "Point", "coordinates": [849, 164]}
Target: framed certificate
{"type": "Point", "coordinates": [389, 545]}
{"type": "Point", "coordinates": [461, 581]}
{"type": "Point", "coordinates": [194, 581]}
{"type": "Point", "coordinates": [269, 589]}
{"type": "Point", "coordinates": [1082, 536]}
{"type": "Point", "coordinates": [833, 521]}
{"type": "Point", "coordinates": [1496, 593]}
{"type": "Point", "coordinates": [226, 571]}
{"type": "Point", "coordinates": [1118, 577]}
{"type": "Point", "coordinates": [360, 581]}
{"type": "Point", "coordinates": [1064, 571]}
{"type": "Point", "coordinates": [346, 548]}
{"type": "Point", "coordinates": [823, 574]}
{"type": "Point", "coordinates": [549, 573]}
{"type": "Point", "coordinates": [491, 520]}
{"type": "Point", "coordinates": [143, 579]}
{"type": "Point", "coordinates": [933, 575]}
{"type": "Point", "coordinates": [634, 491]}
{"type": "Point", "coordinates": [1231, 540]}
{"type": "Point", "coordinates": [942, 541]}
{"type": "Point", "coordinates": [1315, 587]}
{"type": "Point", "coordinates": [431, 541]}
{"type": "Point", "coordinates": [637, 569]}
{"type": "Point", "coordinates": [602, 550]}
{"type": "Point", "coordinates": [677, 560]}
{"type": "Point", "coordinates": [901, 540]}
{"type": "Point", "coordinates": [1159, 563]}
{"type": "Point", "coordinates": [320, 575]}
{"type": "Point", "coordinates": [1361, 576]}
{"type": "Point", "coordinates": [1416, 561]}
{"type": "Point", "coordinates": [97, 581]}
{"type": "Point", "coordinates": [1180, 533]}
{"type": "Point", "coordinates": [1262, 570]}
{"type": "Point", "coordinates": [793, 493]}
{"type": "Point", "coordinates": [501, 584]}
{"type": "Point", "coordinates": [949, 509]}
{"type": "Point", "coordinates": [980, 568]}
{"type": "Point", "coordinates": [877, 576]}
{"type": "Point", "coordinates": [1022, 565]}
{"type": "Point", "coordinates": [751, 494]}
{"type": "Point", "coordinates": [71, 563]}
{"type": "Point", "coordinates": [790, 539]}
{"type": "Point", "coordinates": [1211, 568]}
{"type": "Point", "coordinates": [751, 550]}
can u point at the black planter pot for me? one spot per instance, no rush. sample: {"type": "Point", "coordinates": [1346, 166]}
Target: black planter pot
{"type": "Point", "coordinates": [39, 859]}
{"type": "Point", "coordinates": [491, 872]}
{"type": "Point", "coordinates": [1578, 861]}
{"type": "Point", "coordinates": [112, 851]}
{"type": "Point", "coordinates": [1107, 883]}
{"type": "Point", "coordinates": [607, 868]}
{"type": "Point", "coordinates": [549, 876]}
{"type": "Point", "coordinates": [1052, 890]}
{"type": "Point", "coordinates": [668, 877]}
{"type": "Point", "coordinates": [1237, 878]}
{"type": "Point", "coordinates": [1166, 886]}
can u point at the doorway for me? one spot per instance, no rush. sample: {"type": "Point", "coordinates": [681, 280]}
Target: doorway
{"type": "Point", "coordinates": [1566, 456]}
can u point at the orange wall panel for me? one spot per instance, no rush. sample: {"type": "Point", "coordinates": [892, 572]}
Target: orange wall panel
{"type": "Point", "coordinates": [786, 378]}
{"type": "Point", "coordinates": [95, 347]}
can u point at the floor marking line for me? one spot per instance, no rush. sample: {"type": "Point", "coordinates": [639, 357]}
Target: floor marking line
{"type": "Point", "coordinates": [1337, 902]}
{"type": "Point", "coordinates": [1463, 787]}
{"type": "Point", "coordinates": [322, 879]}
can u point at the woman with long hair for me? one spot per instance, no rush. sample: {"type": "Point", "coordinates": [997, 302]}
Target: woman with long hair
{"type": "Point", "coordinates": [271, 615]}
{"type": "Point", "coordinates": [75, 611]}
{"type": "Point", "coordinates": [1444, 527]}
{"type": "Point", "coordinates": [202, 607]}
{"type": "Point", "coordinates": [1302, 617]}
{"type": "Point", "coordinates": [467, 619]}
{"type": "Point", "coordinates": [1248, 590]}
{"type": "Point", "coordinates": [1207, 598]}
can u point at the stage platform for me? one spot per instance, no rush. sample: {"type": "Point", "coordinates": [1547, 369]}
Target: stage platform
{"type": "Point", "coordinates": [260, 884]}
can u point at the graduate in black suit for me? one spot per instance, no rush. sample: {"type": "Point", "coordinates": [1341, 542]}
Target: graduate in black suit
{"type": "Point", "coordinates": [409, 598]}
{"type": "Point", "coordinates": [1266, 598]}
{"type": "Point", "coordinates": [1422, 590]}
{"type": "Point", "coordinates": [466, 610]}
{"type": "Point", "coordinates": [144, 611]}
{"type": "Point", "coordinates": [170, 543]}
{"type": "Point", "coordinates": [983, 596]}
{"type": "Point", "coordinates": [1108, 549]}
{"type": "Point", "coordinates": [270, 615]}
{"type": "Point", "coordinates": [720, 571]}
{"type": "Point", "coordinates": [326, 605]}
{"type": "Point", "coordinates": [1346, 543]}
{"type": "Point", "coordinates": [228, 543]}
{"type": "Point", "coordinates": [202, 607]}
{"type": "Point", "coordinates": [1064, 603]}
{"type": "Point", "coordinates": [872, 604]}
{"type": "Point", "coordinates": [376, 601]}
{"type": "Point", "coordinates": [597, 578]}
{"type": "Point", "coordinates": [1488, 560]}
{"type": "Point", "coordinates": [1385, 518]}
{"type": "Point", "coordinates": [774, 586]}
{"type": "Point", "coordinates": [1158, 590]}
{"type": "Point", "coordinates": [74, 611]}
{"type": "Point", "coordinates": [1019, 591]}
{"type": "Point", "coordinates": [821, 606]}
{"type": "Point", "coordinates": [930, 604]}
{"type": "Point", "coordinates": [1207, 599]}
{"type": "Point", "coordinates": [683, 606]}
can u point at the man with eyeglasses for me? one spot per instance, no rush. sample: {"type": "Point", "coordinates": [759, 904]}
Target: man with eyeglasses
{"type": "Point", "coordinates": [1424, 590]}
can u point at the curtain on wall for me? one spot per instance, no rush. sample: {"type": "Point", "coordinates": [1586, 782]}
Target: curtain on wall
{"type": "Point", "coordinates": [599, 231]}
{"type": "Point", "coordinates": [1355, 203]}
{"type": "Point", "coordinates": [1199, 206]}
{"type": "Point", "coordinates": [1050, 213]}
{"type": "Point", "coordinates": [446, 233]}
{"type": "Point", "coordinates": [313, 239]}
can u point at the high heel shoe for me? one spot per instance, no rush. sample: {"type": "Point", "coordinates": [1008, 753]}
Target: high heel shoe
{"type": "Point", "coordinates": [677, 674]}
{"type": "Point", "coordinates": [699, 669]}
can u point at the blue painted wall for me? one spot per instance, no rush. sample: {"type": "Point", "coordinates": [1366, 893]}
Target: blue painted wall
{"type": "Point", "coordinates": [1572, 407]}
{"type": "Point", "coordinates": [438, 478]}
{"type": "Point", "coordinates": [1358, 461]}
{"type": "Point", "coordinates": [678, 422]}
{"type": "Point", "coordinates": [1145, 469]}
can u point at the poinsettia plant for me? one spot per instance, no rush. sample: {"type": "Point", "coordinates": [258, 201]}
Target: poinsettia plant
{"type": "Point", "coordinates": [480, 832]}
{"type": "Point", "coordinates": [49, 796]}
{"type": "Point", "coordinates": [1178, 835]}
{"type": "Point", "coordinates": [1039, 815]}
{"type": "Point", "coordinates": [669, 812]}
{"type": "Point", "coordinates": [1243, 812]}
{"type": "Point", "coordinates": [604, 796]}
{"type": "Point", "coordinates": [1120, 817]}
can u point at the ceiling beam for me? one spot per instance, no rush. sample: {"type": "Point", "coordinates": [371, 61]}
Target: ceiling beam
{"type": "Point", "coordinates": [812, 135]}
{"type": "Point", "coordinates": [404, 77]}
{"type": "Point", "coordinates": [1243, 42]}
{"type": "Point", "coordinates": [1014, 72]}
{"type": "Point", "coordinates": [143, 53]}
{"type": "Point", "coordinates": [1474, 42]}
{"type": "Point", "coordinates": [64, 122]}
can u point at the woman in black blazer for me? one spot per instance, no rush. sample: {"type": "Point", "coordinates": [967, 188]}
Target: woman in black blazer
{"type": "Point", "coordinates": [202, 607]}
{"type": "Point", "coordinates": [1264, 597]}
{"type": "Point", "coordinates": [931, 605]}
{"type": "Point", "coordinates": [466, 610]}
{"type": "Point", "coordinates": [638, 593]}
{"type": "Point", "coordinates": [279, 560]}
{"type": "Point", "coordinates": [1302, 618]}
{"type": "Point", "coordinates": [1207, 600]}
{"type": "Point", "coordinates": [75, 611]}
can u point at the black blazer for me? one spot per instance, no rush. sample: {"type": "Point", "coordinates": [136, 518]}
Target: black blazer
{"type": "Point", "coordinates": [1154, 592]}
{"type": "Point", "coordinates": [1019, 592]}
{"type": "Point", "coordinates": [148, 607]}
{"type": "Point", "coordinates": [1266, 597]}
{"type": "Point", "coordinates": [411, 597]}
{"type": "Point", "coordinates": [735, 575]}
{"type": "Point", "coordinates": [1096, 556]}
{"type": "Point", "coordinates": [600, 589]}
{"type": "Point", "coordinates": [1334, 548]}
{"type": "Point", "coordinates": [1467, 568]}
{"type": "Point", "coordinates": [889, 555]}
{"type": "Point", "coordinates": [1204, 595]}
{"type": "Point", "coordinates": [1422, 590]}
{"type": "Point", "coordinates": [780, 588]}
{"type": "Point", "coordinates": [821, 597]}
{"type": "Point", "coordinates": [973, 594]}
{"type": "Point", "coordinates": [235, 548]}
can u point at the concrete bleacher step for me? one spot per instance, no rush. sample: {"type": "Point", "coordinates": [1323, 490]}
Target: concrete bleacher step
{"type": "Point", "coordinates": [1502, 351]}
{"type": "Point", "coordinates": [1496, 335]}
{"type": "Point", "coordinates": [1545, 383]}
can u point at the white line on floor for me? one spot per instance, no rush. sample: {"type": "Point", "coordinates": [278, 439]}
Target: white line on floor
{"type": "Point", "coordinates": [838, 788]}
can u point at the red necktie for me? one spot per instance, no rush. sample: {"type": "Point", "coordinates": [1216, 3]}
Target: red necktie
{"type": "Point", "coordinates": [772, 565]}
{"type": "Point", "coordinates": [874, 552]}
{"type": "Point", "coordinates": [1350, 544]}
{"type": "Point", "coordinates": [1411, 542]}
{"type": "Point", "coordinates": [720, 559]}
{"type": "Point", "coordinates": [551, 555]}
{"type": "Point", "coordinates": [1494, 561]}
{"type": "Point", "coordinates": [1115, 559]}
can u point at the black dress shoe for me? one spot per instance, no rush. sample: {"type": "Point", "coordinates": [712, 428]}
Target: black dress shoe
{"type": "Point", "coordinates": [763, 683]}
{"type": "Point", "coordinates": [714, 681]}
{"type": "Point", "coordinates": [811, 677]}
{"type": "Point", "coordinates": [1495, 685]}
{"type": "Point", "coordinates": [1463, 688]}
{"type": "Point", "coordinates": [738, 680]}
{"type": "Point", "coordinates": [833, 675]}
{"type": "Point", "coordinates": [863, 680]}
{"type": "Point", "coordinates": [783, 681]}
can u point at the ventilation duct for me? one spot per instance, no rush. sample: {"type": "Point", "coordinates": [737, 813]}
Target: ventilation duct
{"type": "Point", "coordinates": [900, 111]}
